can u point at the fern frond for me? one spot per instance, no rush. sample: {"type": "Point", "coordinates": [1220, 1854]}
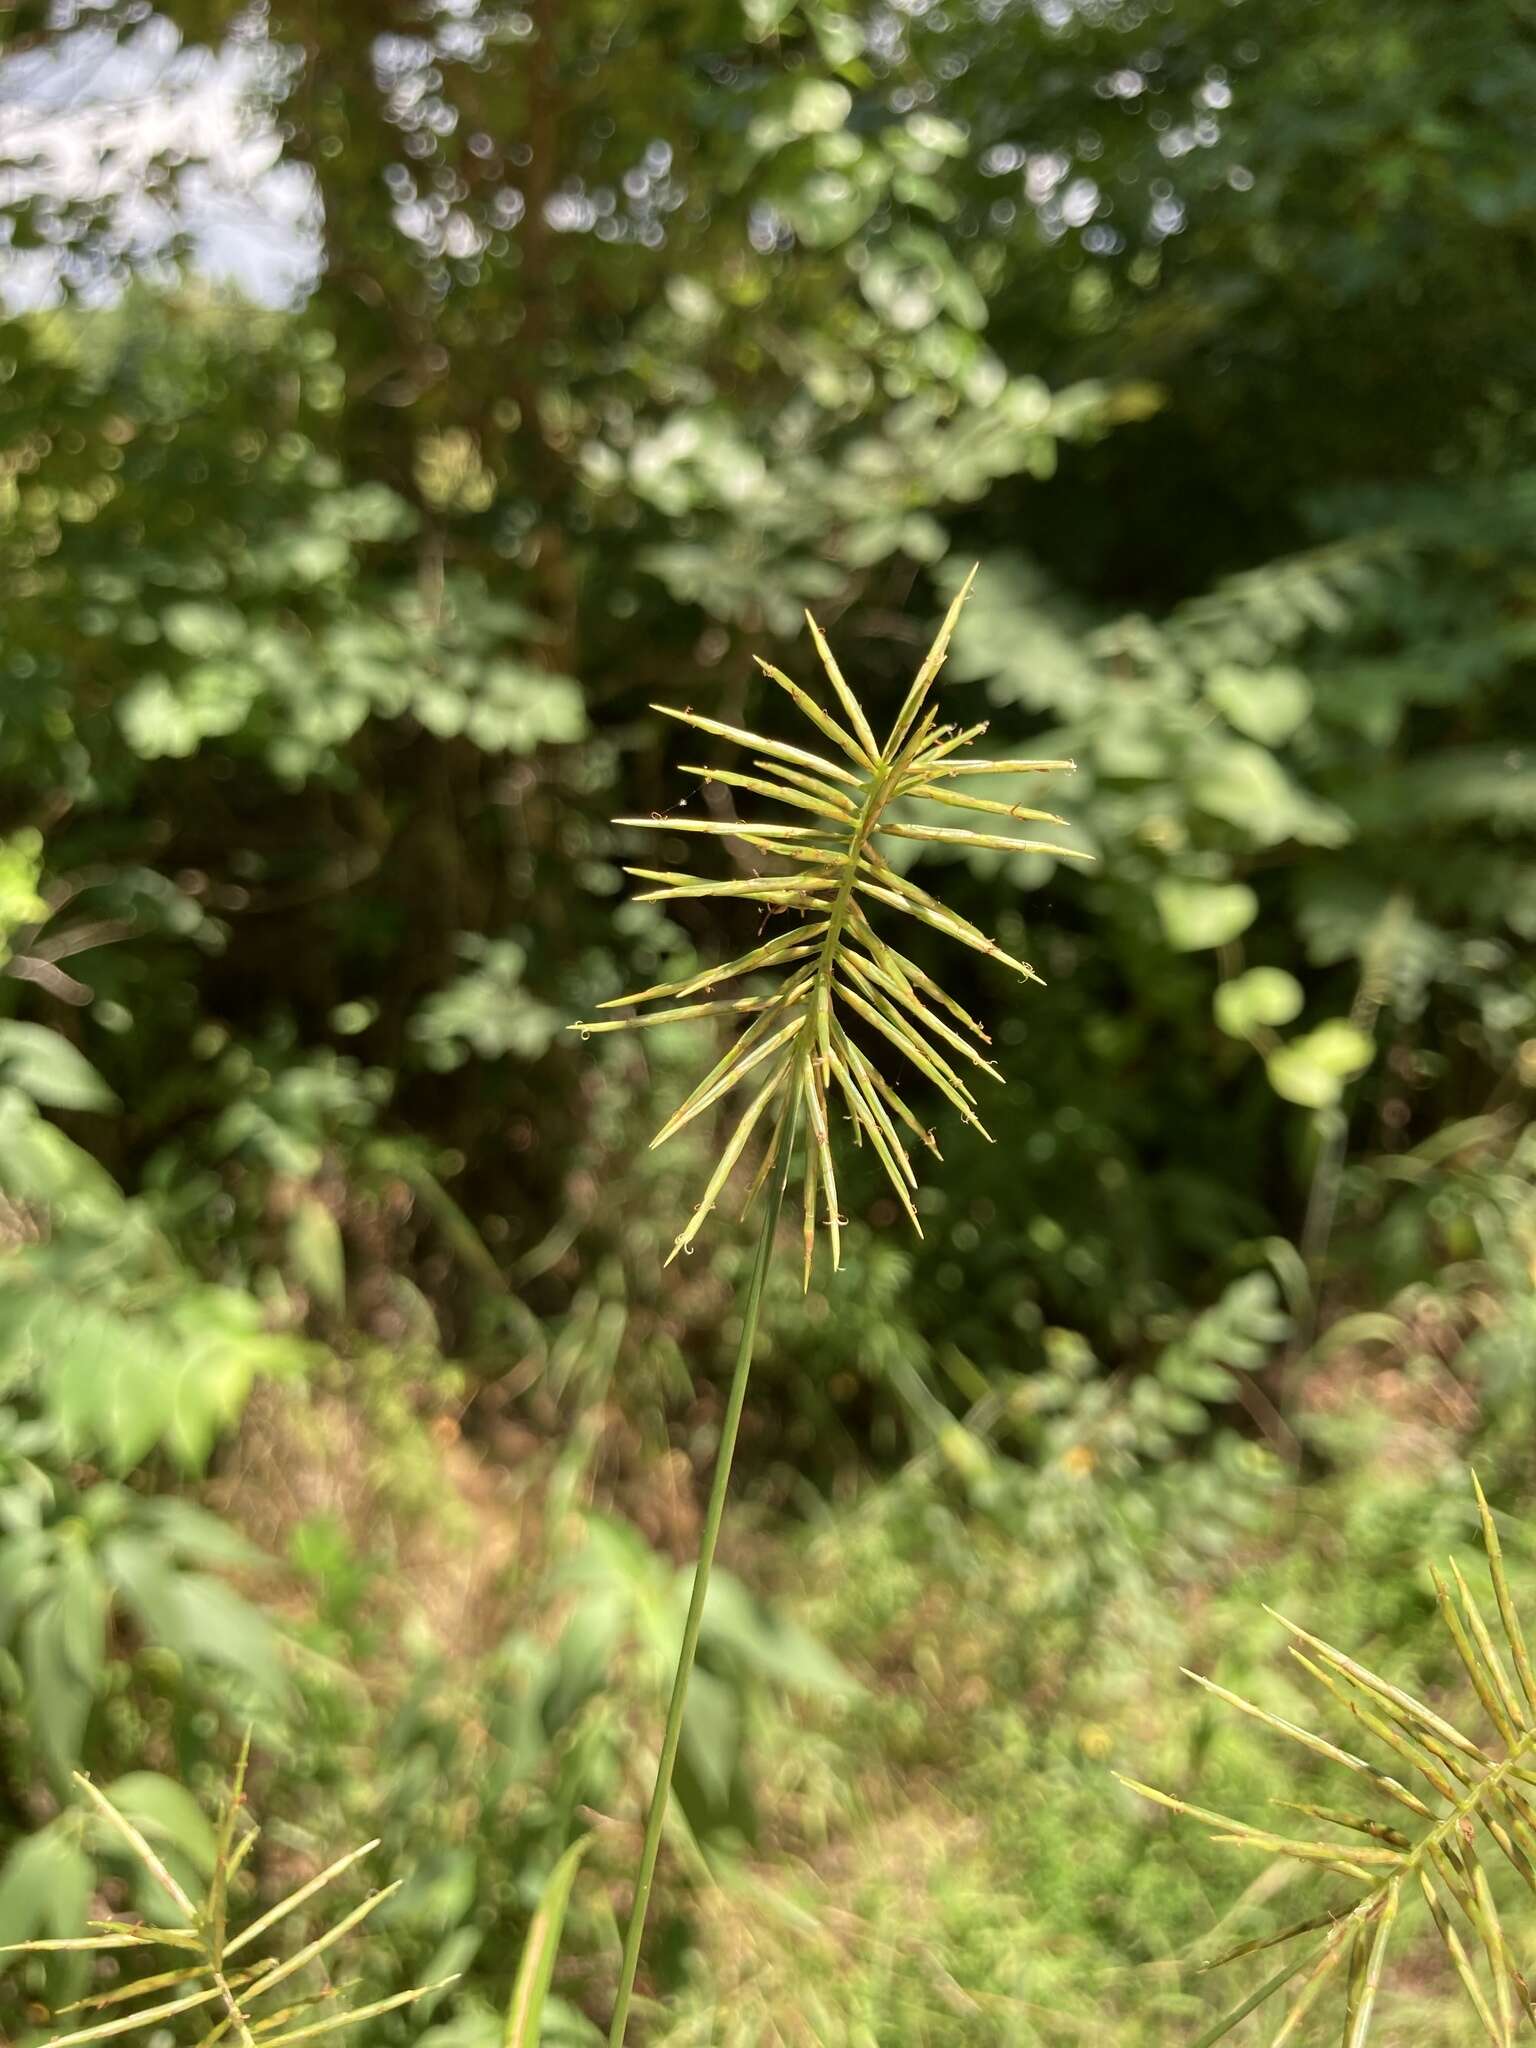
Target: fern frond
{"type": "Point", "coordinates": [205, 1977]}
{"type": "Point", "coordinates": [1478, 1796]}
{"type": "Point", "coordinates": [847, 994]}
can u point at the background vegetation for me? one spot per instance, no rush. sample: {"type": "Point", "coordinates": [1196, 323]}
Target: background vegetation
{"type": "Point", "coordinates": [341, 1386]}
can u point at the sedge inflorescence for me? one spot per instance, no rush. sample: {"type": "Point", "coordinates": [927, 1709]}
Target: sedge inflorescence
{"type": "Point", "coordinates": [844, 996]}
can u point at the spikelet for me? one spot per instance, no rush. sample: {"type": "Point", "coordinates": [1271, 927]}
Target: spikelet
{"type": "Point", "coordinates": [222, 1976]}
{"type": "Point", "coordinates": [1445, 1802]}
{"type": "Point", "coordinates": [846, 998]}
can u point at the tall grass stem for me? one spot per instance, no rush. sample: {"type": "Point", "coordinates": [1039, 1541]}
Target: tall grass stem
{"type": "Point", "coordinates": [656, 1818]}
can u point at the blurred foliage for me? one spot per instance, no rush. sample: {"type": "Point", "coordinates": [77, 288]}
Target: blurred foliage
{"type": "Point", "coordinates": [619, 335]}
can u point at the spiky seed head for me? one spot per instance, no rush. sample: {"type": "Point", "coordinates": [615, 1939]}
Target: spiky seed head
{"type": "Point", "coordinates": [845, 997]}
{"type": "Point", "coordinates": [233, 1998]}
{"type": "Point", "coordinates": [1476, 1794]}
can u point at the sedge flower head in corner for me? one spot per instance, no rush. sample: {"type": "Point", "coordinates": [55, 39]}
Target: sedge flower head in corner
{"type": "Point", "coordinates": [845, 996]}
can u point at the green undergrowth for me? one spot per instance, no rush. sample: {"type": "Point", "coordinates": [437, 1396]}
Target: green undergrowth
{"type": "Point", "coordinates": [951, 1859]}
{"type": "Point", "coordinates": [450, 1612]}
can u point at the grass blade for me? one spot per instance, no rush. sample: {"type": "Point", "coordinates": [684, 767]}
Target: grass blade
{"type": "Point", "coordinates": [952, 769]}
{"type": "Point", "coordinates": [808, 1219]}
{"type": "Point", "coordinates": [688, 1013]}
{"type": "Point", "coordinates": [1309, 1994]}
{"type": "Point", "coordinates": [758, 1043]}
{"type": "Point", "coordinates": [727, 828]}
{"type": "Point", "coordinates": [902, 896]}
{"type": "Point", "coordinates": [904, 1041]}
{"type": "Point", "coordinates": [184, 1937]}
{"type": "Point", "coordinates": [1241, 1835]}
{"type": "Point", "coordinates": [1253, 1948]}
{"type": "Point", "coordinates": [766, 1164]}
{"type": "Point", "coordinates": [1474, 1664]}
{"type": "Point", "coordinates": [814, 786]}
{"type": "Point", "coordinates": [218, 1889]}
{"type": "Point", "coordinates": [1492, 1931]}
{"type": "Point", "coordinates": [814, 1096]}
{"type": "Point", "coordinates": [874, 977]}
{"type": "Point", "coordinates": [163, 1981]}
{"type": "Point", "coordinates": [1384, 1731]}
{"type": "Point", "coordinates": [1358, 1823]}
{"type": "Point", "coordinates": [986, 805]}
{"type": "Point", "coordinates": [525, 2011]}
{"type": "Point", "coordinates": [785, 890]}
{"type": "Point", "coordinates": [900, 968]}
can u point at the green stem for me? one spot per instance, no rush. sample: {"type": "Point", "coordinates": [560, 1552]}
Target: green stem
{"type": "Point", "coordinates": [656, 1819]}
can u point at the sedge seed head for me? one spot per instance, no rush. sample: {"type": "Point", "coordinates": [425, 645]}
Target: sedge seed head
{"type": "Point", "coordinates": [826, 1001]}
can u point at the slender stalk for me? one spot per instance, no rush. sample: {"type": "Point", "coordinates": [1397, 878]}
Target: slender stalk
{"type": "Point", "coordinates": [655, 1820]}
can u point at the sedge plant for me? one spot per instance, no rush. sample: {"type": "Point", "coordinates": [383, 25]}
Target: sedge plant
{"type": "Point", "coordinates": [822, 1005]}
{"type": "Point", "coordinates": [1448, 1803]}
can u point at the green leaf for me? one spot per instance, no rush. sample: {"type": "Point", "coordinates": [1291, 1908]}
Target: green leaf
{"type": "Point", "coordinates": [525, 2010]}
{"type": "Point", "coordinates": [203, 629]}
{"type": "Point", "coordinates": [765, 17]}
{"type": "Point", "coordinates": [1268, 705]}
{"type": "Point", "coordinates": [439, 1894]}
{"type": "Point", "coordinates": [216, 1624]}
{"type": "Point", "coordinates": [44, 1065]}
{"type": "Point", "coordinates": [1262, 996]}
{"type": "Point", "coordinates": [45, 1888]}
{"type": "Point", "coordinates": [449, 1960]}
{"type": "Point", "coordinates": [59, 1694]}
{"type": "Point", "coordinates": [769, 1644]}
{"type": "Point", "coordinates": [156, 723]}
{"type": "Point", "coordinates": [316, 1253]}
{"type": "Point", "coordinates": [1315, 1070]}
{"type": "Point", "coordinates": [1198, 915]}
{"type": "Point", "coordinates": [167, 1815]}
{"type": "Point", "coordinates": [709, 1763]}
{"type": "Point", "coordinates": [196, 1616]}
{"type": "Point", "coordinates": [38, 1163]}
{"type": "Point", "coordinates": [1246, 787]}
{"type": "Point", "coordinates": [82, 1598]}
{"type": "Point", "coordinates": [819, 106]}
{"type": "Point", "coordinates": [197, 1535]}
